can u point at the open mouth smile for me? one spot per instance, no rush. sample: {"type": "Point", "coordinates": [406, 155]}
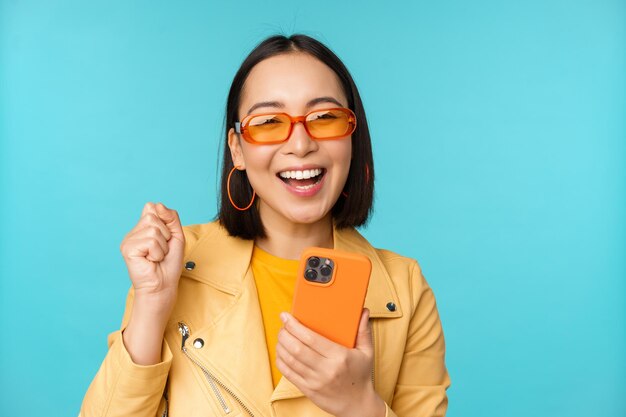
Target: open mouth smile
{"type": "Point", "coordinates": [304, 182]}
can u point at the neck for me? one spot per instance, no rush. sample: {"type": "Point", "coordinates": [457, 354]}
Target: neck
{"type": "Point", "coordinates": [287, 239]}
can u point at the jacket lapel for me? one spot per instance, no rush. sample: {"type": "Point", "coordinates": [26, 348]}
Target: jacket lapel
{"type": "Point", "coordinates": [380, 291]}
{"type": "Point", "coordinates": [235, 350]}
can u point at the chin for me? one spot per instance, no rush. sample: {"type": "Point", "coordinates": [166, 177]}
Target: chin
{"type": "Point", "coordinates": [306, 216]}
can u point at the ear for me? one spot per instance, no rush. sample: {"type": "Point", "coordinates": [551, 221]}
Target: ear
{"type": "Point", "coordinates": [234, 144]}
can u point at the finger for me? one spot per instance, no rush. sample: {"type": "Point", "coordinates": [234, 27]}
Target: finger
{"type": "Point", "coordinates": [148, 248]}
{"type": "Point", "coordinates": [153, 220]}
{"type": "Point", "coordinates": [151, 225]}
{"type": "Point", "coordinates": [292, 376]}
{"type": "Point", "coordinates": [315, 341]}
{"type": "Point", "coordinates": [148, 208]}
{"type": "Point", "coordinates": [295, 348]}
{"type": "Point", "coordinates": [364, 336]}
{"type": "Point", "coordinates": [153, 232]}
{"type": "Point", "coordinates": [171, 220]}
{"type": "Point", "coordinates": [149, 216]}
{"type": "Point", "coordinates": [293, 362]}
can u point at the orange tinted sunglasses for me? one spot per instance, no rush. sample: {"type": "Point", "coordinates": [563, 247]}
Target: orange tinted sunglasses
{"type": "Point", "coordinates": [268, 128]}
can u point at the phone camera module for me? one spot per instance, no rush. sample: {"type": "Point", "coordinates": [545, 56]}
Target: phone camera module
{"type": "Point", "coordinates": [314, 262]}
{"type": "Point", "coordinates": [326, 270]}
{"type": "Point", "coordinates": [310, 274]}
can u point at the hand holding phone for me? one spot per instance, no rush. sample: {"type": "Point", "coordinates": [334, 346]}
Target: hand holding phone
{"type": "Point", "coordinates": [330, 293]}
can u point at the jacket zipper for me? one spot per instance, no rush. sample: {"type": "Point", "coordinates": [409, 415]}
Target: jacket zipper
{"type": "Point", "coordinates": [183, 329]}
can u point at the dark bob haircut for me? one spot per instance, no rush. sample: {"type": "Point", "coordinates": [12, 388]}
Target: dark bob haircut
{"type": "Point", "coordinates": [354, 205]}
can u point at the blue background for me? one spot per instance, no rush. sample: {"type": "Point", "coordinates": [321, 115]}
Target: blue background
{"type": "Point", "coordinates": [500, 147]}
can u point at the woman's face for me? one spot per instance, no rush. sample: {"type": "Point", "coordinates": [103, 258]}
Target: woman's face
{"type": "Point", "coordinates": [293, 83]}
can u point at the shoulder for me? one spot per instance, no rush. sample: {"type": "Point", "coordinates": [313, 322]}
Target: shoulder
{"type": "Point", "coordinates": [403, 272]}
{"type": "Point", "coordinates": [352, 239]}
{"type": "Point", "coordinates": [194, 232]}
{"type": "Point", "coordinates": [197, 233]}
{"type": "Point", "coordinates": [398, 264]}
{"type": "Point", "coordinates": [395, 264]}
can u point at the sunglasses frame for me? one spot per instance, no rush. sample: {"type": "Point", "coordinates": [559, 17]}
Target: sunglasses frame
{"type": "Point", "coordinates": [242, 127]}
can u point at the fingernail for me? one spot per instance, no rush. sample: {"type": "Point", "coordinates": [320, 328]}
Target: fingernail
{"type": "Point", "coordinates": [283, 317]}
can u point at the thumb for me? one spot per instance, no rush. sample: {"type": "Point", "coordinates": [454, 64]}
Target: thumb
{"type": "Point", "coordinates": [364, 336]}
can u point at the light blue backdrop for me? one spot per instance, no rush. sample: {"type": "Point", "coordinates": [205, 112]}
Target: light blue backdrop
{"type": "Point", "coordinates": [499, 139]}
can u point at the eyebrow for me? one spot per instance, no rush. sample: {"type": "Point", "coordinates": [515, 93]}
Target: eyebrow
{"type": "Point", "coordinates": [279, 105]}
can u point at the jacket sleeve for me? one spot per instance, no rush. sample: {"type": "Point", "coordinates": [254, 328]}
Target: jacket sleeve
{"type": "Point", "coordinates": [123, 388]}
{"type": "Point", "coordinates": [423, 379]}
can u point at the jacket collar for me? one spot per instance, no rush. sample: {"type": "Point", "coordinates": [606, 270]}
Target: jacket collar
{"type": "Point", "coordinates": [223, 261]}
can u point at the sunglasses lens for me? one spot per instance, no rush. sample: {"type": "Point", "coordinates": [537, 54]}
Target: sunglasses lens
{"type": "Point", "coordinates": [330, 123]}
{"type": "Point", "coordinates": [269, 127]}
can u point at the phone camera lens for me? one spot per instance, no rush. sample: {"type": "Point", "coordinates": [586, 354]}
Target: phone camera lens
{"type": "Point", "coordinates": [325, 270]}
{"type": "Point", "coordinates": [314, 262]}
{"type": "Point", "coordinates": [310, 274]}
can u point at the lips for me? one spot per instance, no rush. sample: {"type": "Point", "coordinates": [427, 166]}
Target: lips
{"type": "Point", "coordinates": [304, 182]}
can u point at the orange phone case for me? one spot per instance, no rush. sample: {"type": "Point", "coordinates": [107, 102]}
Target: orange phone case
{"type": "Point", "coordinates": [333, 309]}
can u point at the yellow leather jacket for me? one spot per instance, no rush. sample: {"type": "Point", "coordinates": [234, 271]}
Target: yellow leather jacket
{"type": "Point", "coordinates": [214, 356]}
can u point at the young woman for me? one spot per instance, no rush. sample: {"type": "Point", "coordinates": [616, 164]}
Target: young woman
{"type": "Point", "coordinates": [206, 329]}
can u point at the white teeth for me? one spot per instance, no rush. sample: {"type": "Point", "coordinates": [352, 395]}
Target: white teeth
{"type": "Point", "coordinates": [305, 174]}
{"type": "Point", "coordinates": [305, 187]}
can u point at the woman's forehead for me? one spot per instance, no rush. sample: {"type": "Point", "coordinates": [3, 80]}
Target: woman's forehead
{"type": "Point", "coordinates": [292, 79]}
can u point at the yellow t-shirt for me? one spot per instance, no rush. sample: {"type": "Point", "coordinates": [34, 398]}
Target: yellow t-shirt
{"type": "Point", "coordinates": [275, 280]}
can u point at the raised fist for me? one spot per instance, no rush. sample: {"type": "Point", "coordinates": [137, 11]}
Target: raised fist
{"type": "Point", "coordinates": [153, 251]}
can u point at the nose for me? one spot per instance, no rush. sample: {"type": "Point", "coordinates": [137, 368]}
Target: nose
{"type": "Point", "coordinates": [300, 143]}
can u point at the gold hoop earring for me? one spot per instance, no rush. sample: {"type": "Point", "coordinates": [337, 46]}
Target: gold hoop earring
{"type": "Point", "coordinates": [230, 197]}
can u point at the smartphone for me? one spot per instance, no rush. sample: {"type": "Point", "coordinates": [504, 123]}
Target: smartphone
{"type": "Point", "coordinates": [330, 293]}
